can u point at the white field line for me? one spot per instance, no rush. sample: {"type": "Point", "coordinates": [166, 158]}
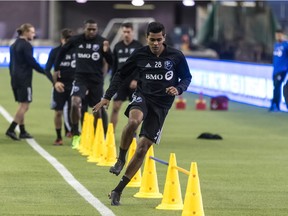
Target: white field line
{"type": "Point", "coordinates": [68, 177]}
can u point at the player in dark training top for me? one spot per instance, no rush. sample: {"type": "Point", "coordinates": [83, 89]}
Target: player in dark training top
{"type": "Point", "coordinates": [121, 52]}
{"type": "Point", "coordinates": [21, 65]}
{"type": "Point", "coordinates": [91, 49]}
{"type": "Point", "coordinates": [162, 73]}
{"type": "Point", "coordinates": [64, 80]}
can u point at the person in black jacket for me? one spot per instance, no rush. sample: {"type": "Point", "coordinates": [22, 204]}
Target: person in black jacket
{"type": "Point", "coordinates": [163, 73]}
{"type": "Point", "coordinates": [121, 52]}
{"type": "Point", "coordinates": [91, 50]}
{"type": "Point", "coordinates": [65, 79]}
{"type": "Point", "coordinates": [21, 65]}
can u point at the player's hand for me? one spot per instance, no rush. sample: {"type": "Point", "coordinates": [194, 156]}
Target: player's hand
{"type": "Point", "coordinates": [103, 103]}
{"type": "Point", "coordinates": [133, 84]}
{"type": "Point", "coordinates": [172, 91]}
{"type": "Point", "coordinates": [106, 46]}
{"type": "Point", "coordinates": [59, 86]}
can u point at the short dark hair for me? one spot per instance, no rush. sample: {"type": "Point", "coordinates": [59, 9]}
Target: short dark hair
{"type": "Point", "coordinates": [155, 27]}
{"type": "Point", "coordinates": [66, 33]}
{"type": "Point", "coordinates": [89, 21]}
{"type": "Point", "coordinates": [127, 25]}
{"type": "Point", "coordinates": [279, 31]}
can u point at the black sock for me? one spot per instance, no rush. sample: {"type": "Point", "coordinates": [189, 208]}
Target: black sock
{"type": "Point", "coordinates": [12, 126]}
{"type": "Point", "coordinates": [122, 184]}
{"type": "Point", "coordinates": [75, 129]}
{"type": "Point", "coordinates": [22, 129]}
{"type": "Point", "coordinates": [122, 154]}
{"type": "Point", "coordinates": [58, 132]}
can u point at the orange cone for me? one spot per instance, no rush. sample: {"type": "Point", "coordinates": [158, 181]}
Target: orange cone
{"type": "Point", "coordinates": [109, 156]}
{"type": "Point", "coordinates": [193, 199]}
{"type": "Point", "coordinates": [149, 184]}
{"type": "Point", "coordinates": [136, 180]}
{"type": "Point", "coordinates": [172, 197]}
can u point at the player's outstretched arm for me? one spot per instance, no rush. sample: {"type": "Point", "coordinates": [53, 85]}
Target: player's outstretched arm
{"type": "Point", "coordinates": [103, 103]}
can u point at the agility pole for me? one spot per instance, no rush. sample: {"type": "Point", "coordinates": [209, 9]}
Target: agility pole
{"type": "Point", "coordinates": [167, 164]}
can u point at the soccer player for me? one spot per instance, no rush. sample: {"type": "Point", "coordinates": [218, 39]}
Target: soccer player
{"type": "Point", "coordinates": [163, 73]}
{"type": "Point", "coordinates": [121, 52]}
{"type": "Point", "coordinates": [91, 49]}
{"type": "Point", "coordinates": [280, 68]}
{"type": "Point", "coordinates": [65, 79]}
{"type": "Point", "coordinates": [21, 65]}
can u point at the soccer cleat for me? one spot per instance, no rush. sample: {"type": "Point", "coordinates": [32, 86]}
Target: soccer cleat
{"type": "Point", "coordinates": [115, 198]}
{"type": "Point", "coordinates": [69, 135]}
{"type": "Point", "coordinates": [58, 142]}
{"type": "Point", "coordinates": [118, 166]}
{"type": "Point", "coordinates": [12, 135]}
{"type": "Point", "coordinates": [25, 135]}
{"type": "Point", "coordinates": [75, 141]}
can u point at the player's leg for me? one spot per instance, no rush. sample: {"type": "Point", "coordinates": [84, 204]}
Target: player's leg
{"type": "Point", "coordinates": [135, 119]}
{"type": "Point", "coordinates": [136, 161]}
{"type": "Point", "coordinates": [58, 123]}
{"type": "Point", "coordinates": [150, 133]}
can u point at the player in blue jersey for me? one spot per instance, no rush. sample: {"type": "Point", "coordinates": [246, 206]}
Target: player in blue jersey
{"type": "Point", "coordinates": [162, 73]}
{"type": "Point", "coordinates": [280, 68]}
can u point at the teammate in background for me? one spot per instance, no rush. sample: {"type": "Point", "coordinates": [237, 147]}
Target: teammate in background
{"type": "Point", "coordinates": [90, 49]}
{"type": "Point", "coordinates": [21, 65]}
{"type": "Point", "coordinates": [121, 52]}
{"type": "Point", "coordinates": [163, 73]}
{"type": "Point", "coordinates": [65, 79]}
{"type": "Point", "coordinates": [280, 68]}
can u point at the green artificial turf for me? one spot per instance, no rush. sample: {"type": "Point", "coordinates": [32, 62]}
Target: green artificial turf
{"type": "Point", "coordinates": [243, 174]}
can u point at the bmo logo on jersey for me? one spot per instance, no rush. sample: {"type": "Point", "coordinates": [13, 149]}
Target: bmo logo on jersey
{"type": "Point", "coordinates": [168, 76]}
{"type": "Point", "coordinates": [94, 56]}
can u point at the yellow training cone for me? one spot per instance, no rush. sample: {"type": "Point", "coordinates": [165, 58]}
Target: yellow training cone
{"type": "Point", "coordinates": [193, 198]}
{"type": "Point", "coordinates": [109, 156]}
{"type": "Point", "coordinates": [98, 143]}
{"type": "Point", "coordinates": [88, 130]}
{"type": "Point", "coordinates": [172, 197]}
{"type": "Point", "coordinates": [149, 184]}
{"type": "Point", "coordinates": [136, 180]}
{"type": "Point", "coordinates": [84, 131]}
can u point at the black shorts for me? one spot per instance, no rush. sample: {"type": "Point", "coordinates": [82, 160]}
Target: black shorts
{"type": "Point", "coordinates": [59, 99]}
{"type": "Point", "coordinates": [124, 93]}
{"type": "Point", "coordinates": [22, 94]}
{"type": "Point", "coordinates": [154, 117]}
{"type": "Point", "coordinates": [87, 88]}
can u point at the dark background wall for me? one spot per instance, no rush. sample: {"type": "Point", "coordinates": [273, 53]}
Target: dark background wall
{"type": "Point", "coordinates": [72, 14]}
{"type": "Point", "coordinates": [15, 13]}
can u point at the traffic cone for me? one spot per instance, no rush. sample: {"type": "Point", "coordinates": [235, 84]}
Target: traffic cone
{"type": "Point", "coordinates": [172, 197]}
{"type": "Point", "coordinates": [81, 146]}
{"type": "Point", "coordinates": [88, 128]}
{"type": "Point", "coordinates": [149, 184]}
{"type": "Point", "coordinates": [109, 156]}
{"type": "Point", "coordinates": [193, 199]}
{"type": "Point", "coordinates": [98, 143]}
{"type": "Point", "coordinates": [136, 180]}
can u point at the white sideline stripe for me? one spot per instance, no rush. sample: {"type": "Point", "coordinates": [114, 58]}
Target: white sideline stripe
{"type": "Point", "coordinates": [68, 177]}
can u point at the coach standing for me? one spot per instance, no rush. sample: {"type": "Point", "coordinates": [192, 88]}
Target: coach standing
{"type": "Point", "coordinates": [280, 68]}
{"type": "Point", "coordinates": [21, 65]}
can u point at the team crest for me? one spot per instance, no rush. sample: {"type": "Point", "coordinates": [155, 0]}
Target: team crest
{"type": "Point", "coordinates": [168, 65]}
{"type": "Point", "coordinates": [95, 47]}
